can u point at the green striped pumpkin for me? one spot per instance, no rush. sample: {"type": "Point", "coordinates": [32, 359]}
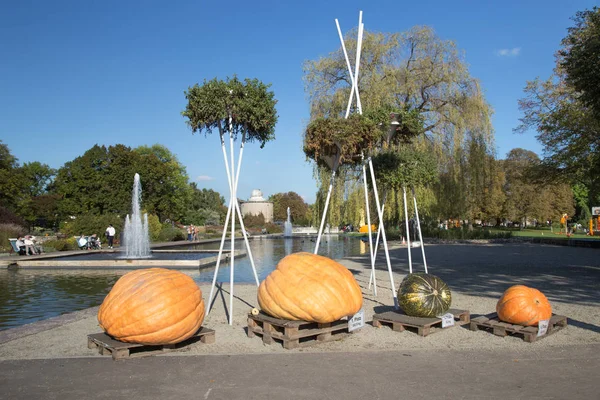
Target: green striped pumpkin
{"type": "Point", "coordinates": [424, 295]}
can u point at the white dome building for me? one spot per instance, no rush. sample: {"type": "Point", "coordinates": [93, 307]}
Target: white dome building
{"type": "Point", "coordinates": [257, 204]}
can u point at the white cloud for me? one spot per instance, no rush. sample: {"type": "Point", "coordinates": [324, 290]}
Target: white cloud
{"type": "Point", "coordinates": [508, 52]}
{"type": "Point", "coordinates": [204, 178]}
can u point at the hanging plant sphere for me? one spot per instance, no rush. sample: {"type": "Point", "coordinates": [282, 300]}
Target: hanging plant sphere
{"type": "Point", "coordinates": [152, 306]}
{"type": "Point", "coordinates": [424, 295]}
{"type": "Point", "coordinates": [327, 138]}
{"type": "Point", "coordinates": [310, 287]}
{"type": "Point", "coordinates": [249, 103]}
{"type": "Point", "coordinates": [523, 305]}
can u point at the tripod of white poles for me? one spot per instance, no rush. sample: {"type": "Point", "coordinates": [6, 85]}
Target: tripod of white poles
{"type": "Point", "coordinates": [234, 207]}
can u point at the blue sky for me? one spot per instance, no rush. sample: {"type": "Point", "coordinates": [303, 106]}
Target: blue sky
{"type": "Point", "coordinates": [78, 73]}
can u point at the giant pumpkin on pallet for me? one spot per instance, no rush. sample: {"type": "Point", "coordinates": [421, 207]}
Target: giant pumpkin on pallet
{"type": "Point", "coordinates": [424, 295]}
{"type": "Point", "coordinates": [154, 306]}
{"type": "Point", "coordinates": [309, 287]}
{"type": "Point", "coordinates": [523, 305]}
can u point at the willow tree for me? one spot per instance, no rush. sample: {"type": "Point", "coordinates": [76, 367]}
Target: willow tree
{"type": "Point", "coordinates": [416, 72]}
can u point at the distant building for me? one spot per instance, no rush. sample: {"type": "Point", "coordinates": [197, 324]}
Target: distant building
{"type": "Point", "coordinates": [256, 204]}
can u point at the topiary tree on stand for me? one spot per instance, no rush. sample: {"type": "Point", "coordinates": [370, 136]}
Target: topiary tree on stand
{"type": "Point", "coordinates": [242, 109]}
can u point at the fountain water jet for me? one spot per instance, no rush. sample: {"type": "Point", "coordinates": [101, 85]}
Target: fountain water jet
{"type": "Point", "coordinates": [135, 233]}
{"type": "Point", "coordinates": [287, 226]}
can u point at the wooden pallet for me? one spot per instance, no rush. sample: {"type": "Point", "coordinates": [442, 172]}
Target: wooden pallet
{"type": "Point", "coordinates": [294, 334]}
{"type": "Point", "coordinates": [120, 350]}
{"type": "Point", "coordinates": [491, 322]}
{"type": "Point", "coordinates": [424, 326]}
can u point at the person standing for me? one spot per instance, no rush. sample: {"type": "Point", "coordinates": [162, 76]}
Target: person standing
{"type": "Point", "coordinates": [110, 235]}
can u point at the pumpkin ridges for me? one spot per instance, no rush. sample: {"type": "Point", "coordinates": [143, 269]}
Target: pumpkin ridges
{"type": "Point", "coordinates": [416, 295]}
{"type": "Point", "coordinates": [277, 297]}
{"type": "Point", "coordinates": [189, 331]}
{"type": "Point", "coordinates": [153, 306]}
{"type": "Point", "coordinates": [523, 305]}
{"type": "Point", "coordinates": [302, 271]}
{"type": "Point", "coordinates": [117, 292]}
{"type": "Point", "coordinates": [158, 301]}
{"type": "Point", "coordinates": [329, 296]}
{"type": "Point", "coordinates": [171, 310]}
{"type": "Point", "coordinates": [329, 283]}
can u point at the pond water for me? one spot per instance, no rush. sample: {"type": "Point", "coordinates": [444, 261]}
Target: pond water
{"type": "Point", "coordinates": [29, 295]}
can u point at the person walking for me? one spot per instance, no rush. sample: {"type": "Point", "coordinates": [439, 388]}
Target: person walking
{"type": "Point", "coordinates": [110, 235]}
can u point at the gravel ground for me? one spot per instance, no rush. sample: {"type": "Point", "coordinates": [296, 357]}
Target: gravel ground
{"type": "Point", "coordinates": [476, 273]}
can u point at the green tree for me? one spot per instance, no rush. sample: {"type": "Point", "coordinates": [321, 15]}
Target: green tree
{"type": "Point", "coordinates": [563, 110]}
{"type": "Point", "coordinates": [204, 205]}
{"type": "Point", "coordinates": [416, 72]}
{"type": "Point", "coordinates": [34, 203]}
{"type": "Point", "coordinates": [166, 192]}
{"type": "Point", "coordinates": [298, 208]}
{"type": "Point", "coordinates": [10, 183]}
{"type": "Point", "coordinates": [580, 57]}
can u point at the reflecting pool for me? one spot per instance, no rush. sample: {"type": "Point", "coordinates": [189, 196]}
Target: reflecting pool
{"type": "Point", "coordinates": [29, 295]}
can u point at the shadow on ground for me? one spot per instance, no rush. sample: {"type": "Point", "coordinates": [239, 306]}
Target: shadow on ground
{"type": "Point", "coordinates": [566, 274]}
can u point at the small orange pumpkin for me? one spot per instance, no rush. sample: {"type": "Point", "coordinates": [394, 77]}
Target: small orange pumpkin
{"type": "Point", "coordinates": [523, 305]}
{"type": "Point", "coordinates": [152, 306]}
{"type": "Point", "coordinates": [310, 287]}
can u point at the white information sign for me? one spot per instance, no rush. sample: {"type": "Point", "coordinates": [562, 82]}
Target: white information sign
{"type": "Point", "coordinates": [543, 327]}
{"type": "Point", "coordinates": [595, 210]}
{"type": "Point", "coordinates": [447, 320]}
{"type": "Point", "coordinates": [357, 321]}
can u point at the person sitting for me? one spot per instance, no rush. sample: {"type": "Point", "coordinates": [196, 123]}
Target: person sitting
{"type": "Point", "coordinates": [93, 243]}
{"type": "Point", "coordinates": [82, 242]}
{"type": "Point", "coordinates": [29, 246]}
{"type": "Point", "coordinates": [21, 246]}
{"type": "Point", "coordinates": [38, 247]}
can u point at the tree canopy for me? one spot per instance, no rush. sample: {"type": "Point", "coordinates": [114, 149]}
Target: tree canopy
{"type": "Point", "coordinates": [250, 105]}
{"type": "Point", "coordinates": [563, 109]}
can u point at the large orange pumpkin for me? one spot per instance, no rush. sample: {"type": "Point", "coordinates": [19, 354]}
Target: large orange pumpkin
{"type": "Point", "coordinates": [152, 306]}
{"type": "Point", "coordinates": [523, 305]}
{"type": "Point", "coordinates": [310, 287]}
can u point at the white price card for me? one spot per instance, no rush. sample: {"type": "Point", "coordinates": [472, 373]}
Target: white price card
{"type": "Point", "coordinates": [543, 327]}
{"type": "Point", "coordinates": [357, 321]}
{"type": "Point", "coordinates": [447, 320]}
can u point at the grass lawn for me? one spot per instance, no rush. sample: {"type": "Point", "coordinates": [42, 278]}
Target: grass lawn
{"type": "Point", "coordinates": [546, 233]}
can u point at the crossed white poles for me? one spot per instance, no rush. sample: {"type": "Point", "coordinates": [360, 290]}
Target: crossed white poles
{"type": "Point", "coordinates": [380, 208]}
{"type": "Point", "coordinates": [233, 204]}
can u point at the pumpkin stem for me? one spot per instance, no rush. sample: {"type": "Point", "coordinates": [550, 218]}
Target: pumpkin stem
{"type": "Point", "coordinates": [435, 292]}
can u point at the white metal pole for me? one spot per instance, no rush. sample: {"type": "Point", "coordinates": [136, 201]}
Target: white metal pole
{"type": "Point", "coordinates": [358, 53]}
{"type": "Point", "coordinates": [239, 212]}
{"type": "Point", "coordinates": [419, 227]}
{"type": "Point", "coordinates": [212, 287]}
{"type": "Point", "coordinates": [376, 247]}
{"type": "Point", "coordinates": [233, 201]}
{"type": "Point", "coordinates": [335, 165]}
{"type": "Point", "coordinates": [214, 281]}
{"type": "Point", "coordinates": [407, 231]}
{"type": "Point", "coordinates": [371, 252]}
{"type": "Point", "coordinates": [348, 65]}
{"type": "Point", "coordinates": [382, 227]}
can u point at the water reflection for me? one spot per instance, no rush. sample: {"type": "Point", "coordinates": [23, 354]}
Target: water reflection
{"type": "Point", "coordinates": [29, 295]}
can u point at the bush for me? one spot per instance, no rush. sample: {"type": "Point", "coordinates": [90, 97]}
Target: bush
{"type": "Point", "coordinates": [61, 244]}
{"type": "Point", "coordinates": [9, 231]}
{"type": "Point", "coordinates": [170, 233]}
{"type": "Point", "coordinates": [90, 224]}
{"type": "Point", "coordinates": [273, 228]}
{"type": "Point", "coordinates": [154, 227]}
{"type": "Point", "coordinates": [254, 221]}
